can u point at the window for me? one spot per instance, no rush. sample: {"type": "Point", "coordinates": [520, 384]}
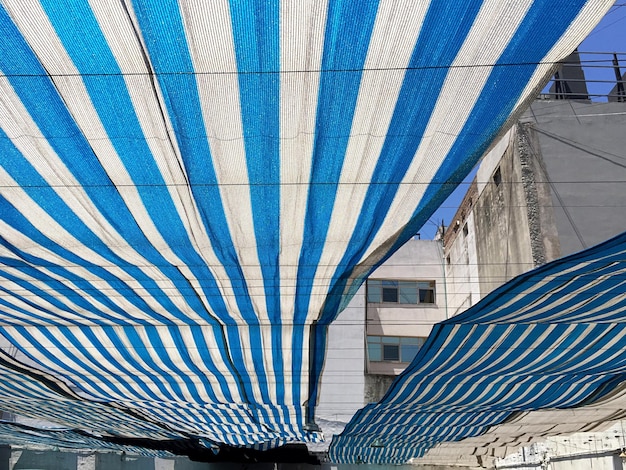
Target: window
{"type": "Point", "coordinates": [400, 292]}
{"type": "Point", "coordinates": [497, 177]}
{"type": "Point", "coordinates": [393, 348]}
{"type": "Point", "coordinates": [465, 230]}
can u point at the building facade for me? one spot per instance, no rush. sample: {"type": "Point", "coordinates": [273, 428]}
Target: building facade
{"type": "Point", "coordinates": [375, 338]}
{"type": "Point", "coordinates": [553, 185]}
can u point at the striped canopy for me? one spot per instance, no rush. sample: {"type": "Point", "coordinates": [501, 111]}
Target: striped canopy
{"type": "Point", "coordinates": [542, 355]}
{"type": "Point", "coordinates": [191, 191]}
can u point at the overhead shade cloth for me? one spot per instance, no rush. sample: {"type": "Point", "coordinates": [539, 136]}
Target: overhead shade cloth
{"type": "Point", "coordinates": [190, 192]}
{"type": "Point", "coordinates": [547, 341]}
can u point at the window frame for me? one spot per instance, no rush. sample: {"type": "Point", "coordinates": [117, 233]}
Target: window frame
{"type": "Point", "coordinates": [378, 289]}
{"type": "Point", "coordinates": [404, 346]}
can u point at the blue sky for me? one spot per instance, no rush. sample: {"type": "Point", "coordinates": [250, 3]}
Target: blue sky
{"type": "Point", "coordinates": [608, 36]}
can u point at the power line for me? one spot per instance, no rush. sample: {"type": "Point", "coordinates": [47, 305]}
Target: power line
{"type": "Point", "coordinates": [280, 72]}
{"type": "Point", "coordinates": [593, 33]}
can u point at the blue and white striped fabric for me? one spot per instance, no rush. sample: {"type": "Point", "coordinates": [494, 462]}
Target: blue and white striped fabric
{"type": "Point", "coordinates": [28, 436]}
{"type": "Point", "coordinates": [553, 338]}
{"type": "Point", "coordinates": [190, 191]}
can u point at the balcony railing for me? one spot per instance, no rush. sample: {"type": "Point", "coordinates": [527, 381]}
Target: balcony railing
{"type": "Point", "coordinates": [593, 76]}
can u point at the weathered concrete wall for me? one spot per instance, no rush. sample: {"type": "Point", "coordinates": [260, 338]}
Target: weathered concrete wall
{"type": "Point", "coordinates": [461, 263]}
{"type": "Point", "coordinates": [376, 386]}
{"type": "Point", "coordinates": [583, 151]}
{"type": "Point", "coordinates": [501, 221]}
{"type": "Point", "coordinates": [543, 235]}
{"type": "Point", "coordinates": [601, 461]}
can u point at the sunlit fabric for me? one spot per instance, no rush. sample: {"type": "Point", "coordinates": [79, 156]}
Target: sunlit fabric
{"type": "Point", "coordinates": [190, 193]}
{"type": "Point", "coordinates": [549, 340]}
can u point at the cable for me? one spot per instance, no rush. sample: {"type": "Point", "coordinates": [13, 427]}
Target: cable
{"type": "Point", "coordinates": [593, 33]}
{"type": "Point", "coordinates": [280, 72]}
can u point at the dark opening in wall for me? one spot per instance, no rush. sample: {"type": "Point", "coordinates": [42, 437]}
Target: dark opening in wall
{"type": "Point", "coordinates": [497, 177]}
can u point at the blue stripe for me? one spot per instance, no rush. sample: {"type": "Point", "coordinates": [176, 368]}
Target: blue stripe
{"type": "Point", "coordinates": [53, 359]}
{"type": "Point", "coordinates": [36, 292]}
{"type": "Point", "coordinates": [30, 262]}
{"type": "Point", "coordinates": [540, 361]}
{"type": "Point", "coordinates": [610, 252]}
{"type": "Point", "coordinates": [94, 342]}
{"type": "Point", "coordinates": [256, 33]}
{"type": "Point", "coordinates": [427, 70]}
{"type": "Point", "coordinates": [504, 86]}
{"type": "Point", "coordinates": [349, 25]}
{"type": "Point", "coordinates": [544, 23]}
{"type": "Point", "coordinates": [414, 106]}
{"type": "Point", "coordinates": [20, 223]}
{"type": "Point", "coordinates": [91, 55]}
{"type": "Point", "coordinates": [77, 154]}
{"type": "Point", "coordinates": [164, 35]}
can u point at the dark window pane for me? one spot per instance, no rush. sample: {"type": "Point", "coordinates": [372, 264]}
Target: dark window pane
{"type": "Point", "coordinates": [497, 177]}
{"type": "Point", "coordinates": [391, 352]}
{"type": "Point", "coordinates": [390, 294]}
{"type": "Point", "coordinates": [427, 292]}
{"type": "Point", "coordinates": [427, 297]}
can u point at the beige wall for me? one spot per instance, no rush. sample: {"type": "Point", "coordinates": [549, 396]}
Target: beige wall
{"type": "Point", "coordinates": [417, 260]}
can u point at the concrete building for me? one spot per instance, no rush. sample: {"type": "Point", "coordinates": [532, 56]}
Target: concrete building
{"type": "Point", "coordinates": [381, 330]}
{"type": "Point", "coordinates": [553, 185]}
{"type": "Point", "coordinates": [369, 344]}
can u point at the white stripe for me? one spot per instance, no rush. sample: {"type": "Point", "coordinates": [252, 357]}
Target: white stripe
{"type": "Point", "coordinates": [107, 372]}
{"type": "Point", "coordinates": [395, 32]}
{"type": "Point", "coordinates": [452, 359]}
{"type": "Point", "coordinates": [44, 41]}
{"type": "Point", "coordinates": [495, 26]}
{"type": "Point", "coordinates": [84, 209]}
{"type": "Point", "coordinates": [46, 224]}
{"type": "Point", "coordinates": [301, 46]}
{"type": "Point", "coordinates": [73, 312]}
{"type": "Point", "coordinates": [56, 174]}
{"type": "Point", "coordinates": [159, 135]}
{"type": "Point", "coordinates": [31, 247]}
{"type": "Point", "coordinates": [33, 314]}
{"type": "Point", "coordinates": [567, 276]}
{"type": "Point", "coordinates": [211, 46]}
{"type": "Point", "coordinates": [68, 365]}
{"type": "Point", "coordinates": [192, 350]}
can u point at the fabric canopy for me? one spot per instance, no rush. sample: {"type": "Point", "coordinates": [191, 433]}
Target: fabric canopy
{"type": "Point", "coordinates": [547, 342]}
{"type": "Point", "coordinates": [191, 191]}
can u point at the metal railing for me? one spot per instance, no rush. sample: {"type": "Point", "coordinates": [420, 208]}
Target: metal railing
{"type": "Point", "coordinates": [593, 76]}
